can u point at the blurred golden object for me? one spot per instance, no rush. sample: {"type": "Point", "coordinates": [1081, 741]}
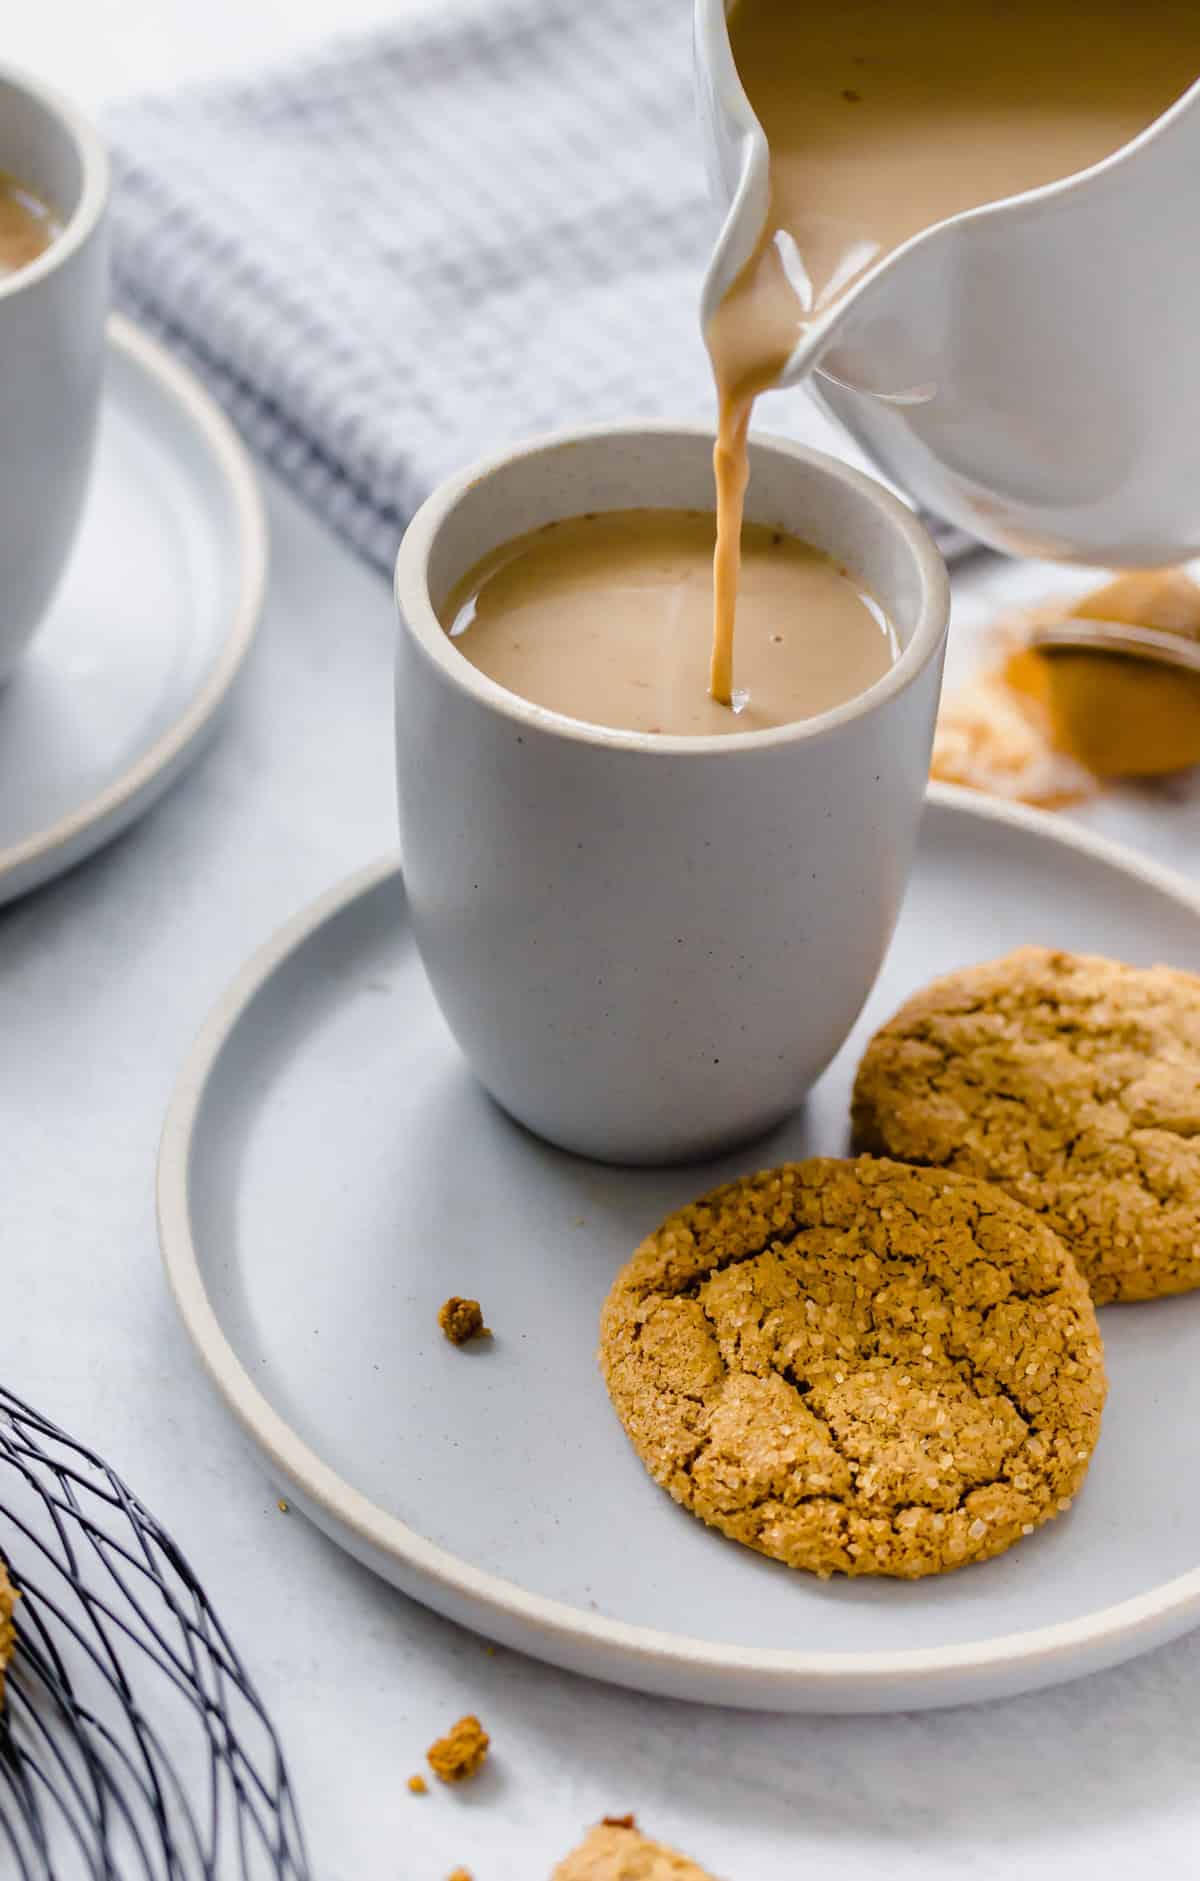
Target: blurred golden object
{"type": "Point", "coordinates": [1077, 701]}
{"type": "Point", "coordinates": [1156, 597]}
{"type": "Point", "coordinates": [1127, 706]}
{"type": "Point", "coordinates": [1123, 716]}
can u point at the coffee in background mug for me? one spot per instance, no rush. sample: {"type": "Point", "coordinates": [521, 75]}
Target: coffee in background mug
{"type": "Point", "coordinates": [27, 226]}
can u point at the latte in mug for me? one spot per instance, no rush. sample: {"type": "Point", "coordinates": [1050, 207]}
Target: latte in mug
{"type": "Point", "coordinates": [607, 618]}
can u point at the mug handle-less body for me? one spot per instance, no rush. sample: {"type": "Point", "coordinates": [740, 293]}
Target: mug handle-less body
{"type": "Point", "coordinates": [648, 947]}
{"type": "Point", "coordinates": [52, 341]}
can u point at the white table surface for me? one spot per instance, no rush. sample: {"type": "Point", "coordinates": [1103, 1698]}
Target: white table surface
{"type": "Point", "coordinates": [104, 980]}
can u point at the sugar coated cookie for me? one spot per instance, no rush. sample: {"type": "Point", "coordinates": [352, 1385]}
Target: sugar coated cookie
{"type": "Point", "coordinates": [1074, 1083]}
{"type": "Point", "coordinates": [858, 1367]}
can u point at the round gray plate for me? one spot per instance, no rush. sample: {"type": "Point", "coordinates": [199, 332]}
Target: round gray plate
{"type": "Point", "coordinates": [330, 1172]}
{"type": "Point", "coordinates": [126, 677]}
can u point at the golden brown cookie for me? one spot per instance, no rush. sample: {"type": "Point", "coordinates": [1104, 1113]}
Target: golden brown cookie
{"type": "Point", "coordinates": [858, 1367]}
{"type": "Point", "coordinates": [1072, 1081]}
{"type": "Point", "coordinates": [8, 1632]}
{"type": "Point", "coordinates": [617, 1851]}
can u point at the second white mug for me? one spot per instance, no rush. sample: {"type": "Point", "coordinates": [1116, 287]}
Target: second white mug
{"type": "Point", "coordinates": [52, 332]}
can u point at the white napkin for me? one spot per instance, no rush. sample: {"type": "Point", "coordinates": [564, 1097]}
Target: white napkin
{"type": "Point", "coordinates": [414, 247]}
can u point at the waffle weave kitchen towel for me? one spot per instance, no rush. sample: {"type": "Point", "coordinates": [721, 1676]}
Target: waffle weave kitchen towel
{"type": "Point", "coordinates": [411, 248]}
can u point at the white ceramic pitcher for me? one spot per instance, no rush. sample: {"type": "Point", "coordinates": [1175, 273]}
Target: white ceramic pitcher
{"type": "Point", "coordinates": [1031, 369]}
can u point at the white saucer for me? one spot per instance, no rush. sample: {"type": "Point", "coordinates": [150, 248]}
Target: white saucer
{"type": "Point", "coordinates": [154, 618]}
{"type": "Point", "coordinates": [330, 1172]}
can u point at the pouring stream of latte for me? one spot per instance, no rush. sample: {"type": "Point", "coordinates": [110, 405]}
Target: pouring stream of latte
{"type": "Point", "coordinates": [884, 117]}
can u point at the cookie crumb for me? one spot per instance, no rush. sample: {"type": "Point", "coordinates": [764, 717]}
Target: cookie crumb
{"type": "Point", "coordinates": [619, 1822]}
{"type": "Point", "coordinates": [418, 1785]}
{"type": "Point", "coordinates": [459, 1874]}
{"type": "Point", "coordinates": [461, 1320]}
{"type": "Point", "coordinates": [282, 1506]}
{"type": "Point", "coordinates": [461, 1752]}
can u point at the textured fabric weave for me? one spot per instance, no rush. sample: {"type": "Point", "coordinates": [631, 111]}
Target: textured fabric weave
{"type": "Point", "coordinates": [416, 246]}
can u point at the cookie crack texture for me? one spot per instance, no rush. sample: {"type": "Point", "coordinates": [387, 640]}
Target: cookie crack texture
{"type": "Point", "coordinates": [858, 1367]}
{"type": "Point", "coordinates": [689, 1288]}
{"type": "Point", "coordinates": [994, 1386]}
{"type": "Point", "coordinates": [1072, 1082]}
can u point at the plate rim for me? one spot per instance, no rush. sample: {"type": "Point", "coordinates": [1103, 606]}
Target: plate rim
{"type": "Point", "coordinates": [576, 1630]}
{"type": "Point", "coordinates": [56, 847]}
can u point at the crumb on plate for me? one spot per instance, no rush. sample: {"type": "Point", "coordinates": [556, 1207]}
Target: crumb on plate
{"type": "Point", "coordinates": [461, 1320]}
{"type": "Point", "coordinates": [461, 1752]}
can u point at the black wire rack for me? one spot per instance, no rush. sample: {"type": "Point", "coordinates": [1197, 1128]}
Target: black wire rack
{"type": "Point", "coordinates": [133, 1746]}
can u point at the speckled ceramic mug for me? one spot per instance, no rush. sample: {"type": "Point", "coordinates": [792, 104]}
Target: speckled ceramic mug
{"type": "Point", "coordinates": [52, 316]}
{"type": "Point", "coordinates": [650, 947]}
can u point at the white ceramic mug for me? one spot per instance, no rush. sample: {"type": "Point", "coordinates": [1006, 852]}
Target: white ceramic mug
{"type": "Point", "coordinates": [650, 947]}
{"type": "Point", "coordinates": [52, 316]}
